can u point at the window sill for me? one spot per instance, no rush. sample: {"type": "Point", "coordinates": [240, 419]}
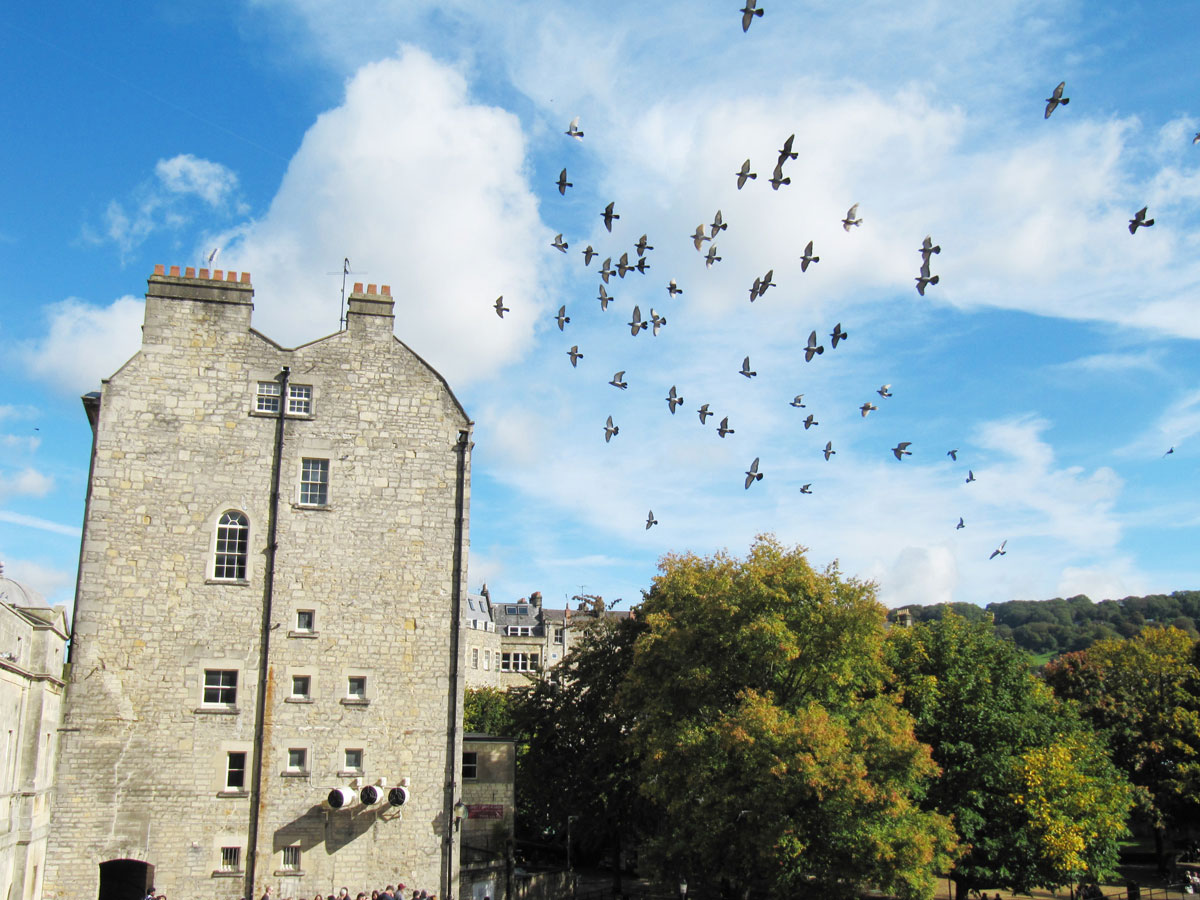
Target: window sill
{"type": "Point", "coordinates": [355, 701]}
{"type": "Point", "coordinates": [232, 582]}
{"type": "Point", "coordinates": [263, 414]}
{"type": "Point", "coordinates": [316, 507]}
{"type": "Point", "coordinates": [217, 711]}
{"type": "Point", "coordinates": [289, 873]}
{"type": "Point", "coordinates": [233, 795]}
{"type": "Point", "coordinates": [294, 774]}
{"type": "Point", "coordinates": [298, 700]}
{"type": "Point", "coordinates": [304, 634]}
{"type": "Point", "coordinates": [221, 873]}
{"type": "Point", "coordinates": [350, 773]}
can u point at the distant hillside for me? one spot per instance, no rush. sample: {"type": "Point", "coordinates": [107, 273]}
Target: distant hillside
{"type": "Point", "coordinates": [1059, 626]}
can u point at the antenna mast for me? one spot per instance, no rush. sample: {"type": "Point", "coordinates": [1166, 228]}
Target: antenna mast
{"type": "Point", "coordinates": [342, 310]}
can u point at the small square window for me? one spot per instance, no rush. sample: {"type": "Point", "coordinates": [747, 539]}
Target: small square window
{"type": "Point", "coordinates": [220, 687]}
{"type": "Point", "coordinates": [305, 619]}
{"type": "Point", "coordinates": [267, 398]}
{"type": "Point", "coordinates": [314, 482]}
{"type": "Point", "coordinates": [299, 399]}
{"type": "Point", "coordinates": [291, 859]}
{"type": "Point", "coordinates": [301, 685]}
{"type": "Point", "coordinates": [356, 687]}
{"type": "Point", "coordinates": [297, 759]}
{"type": "Point", "coordinates": [470, 767]}
{"type": "Point", "coordinates": [231, 859]}
{"type": "Point", "coordinates": [353, 760]}
{"type": "Point", "coordinates": [235, 771]}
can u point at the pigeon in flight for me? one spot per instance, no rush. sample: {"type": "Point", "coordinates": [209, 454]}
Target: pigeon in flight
{"type": "Point", "coordinates": [925, 279]}
{"type": "Point", "coordinates": [806, 488]}
{"type": "Point", "coordinates": [699, 237]}
{"type": "Point", "coordinates": [1196, 139]}
{"type": "Point", "coordinates": [745, 370]}
{"type": "Point", "coordinates": [777, 178]}
{"type": "Point", "coordinates": [1056, 98]}
{"type": "Point", "coordinates": [718, 224]}
{"type": "Point", "coordinates": [642, 246]}
{"type": "Point", "coordinates": [606, 271]}
{"type": "Point", "coordinates": [901, 450]}
{"type": "Point", "coordinates": [610, 429]}
{"type": "Point", "coordinates": [642, 265]}
{"type": "Point", "coordinates": [927, 248]}
{"type": "Point", "coordinates": [573, 129]}
{"type": "Point", "coordinates": [1139, 220]}
{"type": "Point", "coordinates": [650, 520]}
{"type": "Point", "coordinates": [562, 318]}
{"type": "Point", "coordinates": [787, 153]}
{"type": "Point", "coordinates": [829, 451]}
{"type": "Point", "coordinates": [603, 298]}
{"type": "Point", "coordinates": [575, 355]}
{"type": "Point", "coordinates": [501, 309]}
{"type": "Point", "coordinates": [953, 454]}
{"type": "Point", "coordinates": [752, 474]}
{"type": "Point", "coordinates": [970, 477]}
{"type": "Point", "coordinates": [588, 253]}
{"type": "Point", "coordinates": [745, 173]}
{"type": "Point", "coordinates": [704, 413]}
{"type": "Point", "coordinates": [1168, 453]}
{"type": "Point", "coordinates": [748, 14]}
{"type": "Point", "coordinates": [673, 399]}
{"type": "Point", "coordinates": [673, 288]}
{"type": "Point", "coordinates": [562, 182]}
{"type": "Point", "coordinates": [212, 257]}
{"type": "Point", "coordinates": [813, 348]}
{"type": "Point", "coordinates": [711, 257]}
{"type": "Point", "coordinates": [885, 391]}
{"type": "Point", "coordinates": [960, 523]}
{"type": "Point", "coordinates": [608, 215]}
{"type": "Point", "coordinates": [754, 288]}
{"type": "Point", "coordinates": [867, 408]}
{"type": "Point", "coordinates": [767, 282]}
{"type": "Point", "coordinates": [852, 218]}
{"type": "Point", "coordinates": [637, 324]}
{"type": "Point", "coordinates": [798, 401]}
{"type": "Point", "coordinates": [999, 551]}
{"type": "Point", "coordinates": [623, 265]}
{"type": "Point", "coordinates": [808, 257]}
{"type": "Point", "coordinates": [656, 321]}
{"type": "Point", "coordinates": [559, 244]}
{"type": "Point", "coordinates": [837, 335]}
{"type": "Point", "coordinates": [724, 429]}
{"type": "Point", "coordinates": [618, 380]}
{"type": "Point", "coordinates": [810, 421]}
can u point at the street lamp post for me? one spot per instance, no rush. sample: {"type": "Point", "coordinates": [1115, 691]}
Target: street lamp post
{"type": "Point", "coordinates": [682, 889]}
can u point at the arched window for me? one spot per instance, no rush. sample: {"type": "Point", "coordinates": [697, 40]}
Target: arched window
{"type": "Point", "coordinates": [233, 543]}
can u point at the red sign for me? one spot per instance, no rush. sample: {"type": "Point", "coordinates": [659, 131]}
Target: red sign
{"type": "Point", "coordinates": [485, 811]}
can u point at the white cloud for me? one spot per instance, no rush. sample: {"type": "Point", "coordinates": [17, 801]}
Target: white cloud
{"type": "Point", "coordinates": [27, 482]}
{"type": "Point", "coordinates": [41, 524]}
{"type": "Point", "coordinates": [20, 442]}
{"type": "Point", "coordinates": [56, 585]}
{"type": "Point", "coordinates": [187, 174]}
{"type": "Point", "coordinates": [84, 343]}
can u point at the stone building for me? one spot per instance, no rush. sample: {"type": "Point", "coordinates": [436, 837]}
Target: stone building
{"type": "Point", "coordinates": [488, 813]}
{"type": "Point", "coordinates": [33, 641]}
{"type": "Point", "coordinates": [534, 638]}
{"type": "Point", "coordinates": [481, 642]}
{"type": "Point", "coordinates": [267, 615]}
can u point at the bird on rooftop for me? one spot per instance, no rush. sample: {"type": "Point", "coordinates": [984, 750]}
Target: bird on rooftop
{"type": "Point", "coordinates": [960, 523]}
{"type": "Point", "coordinates": [573, 129]}
{"type": "Point", "coordinates": [642, 246]}
{"type": "Point", "coordinates": [744, 173]}
{"type": "Point", "coordinates": [718, 224]}
{"type": "Point", "coordinates": [610, 430]}
{"type": "Point", "coordinates": [748, 14]}
{"type": "Point", "coordinates": [501, 309]}
{"type": "Point", "coordinates": [798, 401]}
{"type": "Point", "coordinates": [867, 408]}
{"type": "Point", "coordinates": [999, 551]}
{"type": "Point", "coordinates": [1139, 220]}
{"type": "Point", "coordinates": [623, 265]}
{"type": "Point", "coordinates": [810, 421]}
{"type": "Point", "coordinates": [806, 488]}
{"type": "Point", "coordinates": [953, 454]}
{"type": "Point", "coordinates": [901, 450]}
{"type": "Point", "coordinates": [787, 153]}
{"type": "Point", "coordinates": [1055, 99]}
{"type": "Point", "coordinates": [704, 413]}
{"type": "Point", "coordinates": [656, 321]}
{"type": "Point", "coordinates": [673, 399]}
{"type": "Point", "coordinates": [711, 257]}
{"type": "Point", "coordinates": [636, 324]}
{"type": "Point", "coordinates": [699, 237]}
{"type": "Point", "coordinates": [562, 182]}
{"type": "Point", "coordinates": [618, 380]}
{"type": "Point", "coordinates": [813, 348]}
{"type": "Point", "coordinates": [808, 257]}
{"type": "Point", "coordinates": [885, 391]}
{"type": "Point", "coordinates": [575, 355]}
{"type": "Point", "coordinates": [559, 244]}
{"type": "Point", "coordinates": [852, 218]}
{"type": "Point", "coordinates": [925, 279]}
{"type": "Point", "coordinates": [606, 271]}
{"type": "Point", "coordinates": [673, 288]}
{"type": "Point", "coordinates": [723, 428]}
{"type": "Point", "coordinates": [608, 215]}
{"type": "Point", "coordinates": [837, 335]}
{"type": "Point", "coordinates": [927, 247]}
{"type": "Point", "coordinates": [588, 253]}
{"type": "Point", "coordinates": [603, 298]}
{"type": "Point", "coordinates": [752, 474]}
{"type": "Point", "coordinates": [562, 318]}
{"type": "Point", "coordinates": [829, 451]}
{"type": "Point", "coordinates": [650, 520]}
{"type": "Point", "coordinates": [970, 477]}
{"type": "Point", "coordinates": [777, 179]}
{"type": "Point", "coordinates": [745, 370]}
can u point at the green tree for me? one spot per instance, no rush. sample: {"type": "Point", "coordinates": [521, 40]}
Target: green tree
{"type": "Point", "coordinates": [488, 710]}
{"type": "Point", "coordinates": [774, 760]}
{"type": "Point", "coordinates": [997, 733]}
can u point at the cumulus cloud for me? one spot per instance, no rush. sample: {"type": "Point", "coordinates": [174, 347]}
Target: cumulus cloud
{"type": "Point", "coordinates": [27, 482]}
{"type": "Point", "coordinates": [55, 585]}
{"type": "Point", "coordinates": [187, 174]}
{"type": "Point", "coordinates": [84, 343]}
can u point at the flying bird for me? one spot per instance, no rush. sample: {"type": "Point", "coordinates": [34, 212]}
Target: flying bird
{"type": "Point", "coordinates": [925, 279]}
{"type": "Point", "coordinates": [808, 257]}
{"type": "Point", "coordinates": [1139, 220]}
{"type": "Point", "coordinates": [623, 265]}
{"type": "Point", "coordinates": [852, 218]}
{"type": "Point", "coordinates": [901, 450]}
{"type": "Point", "coordinates": [806, 488]}
{"type": "Point", "coordinates": [787, 153]}
{"type": "Point", "coordinates": [754, 289]}
{"type": "Point", "coordinates": [953, 454]}
{"type": "Point", "coordinates": [960, 523]}
{"type": "Point", "coordinates": [673, 288]}
{"type": "Point", "coordinates": [744, 173]}
{"type": "Point", "coordinates": [606, 271]}
{"type": "Point", "coordinates": [1196, 139]}
{"type": "Point", "coordinates": [798, 401]}
{"type": "Point", "coordinates": [711, 257]}
{"type": "Point", "coordinates": [573, 129]}
{"type": "Point", "coordinates": [813, 348]}
{"type": "Point", "coordinates": [752, 474]}
{"type": "Point", "coordinates": [559, 244]}
{"type": "Point", "coordinates": [608, 215]}
{"type": "Point", "coordinates": [999, 551]}
{"type": "Point", "coordinates": [575, 355]}
{"type": "Point", "coordinates": [618, 380]}
{"type": "Point", "coordinates": [656, 321]}
{"type": "Point", "coordinates": [650, 520]}
{"type": "Point", "coordinates": [867, 408]}
{"type": "Point", "coordinates": [1168, 453]}
{"type": "Point", "coordinates": [745, 370]}
{"type": "Point", "coordinates": [501, 309]}
{"type": "Point", "coordinates": [748, 14]}
{"type": "Point", "coordinates": [642, 265]}
{"type": "Point", "coordinates": [642, 246]}
{"type": "Point", "coordinates": [970, 477]}
{"type": "Point", "coordinates": [927, 248]}
{"type": "Point", "coordinates": [718, 224]}
{"type": "Point", "coordinates": [704, 413]}
{"type": "Point", "coordinates": [610, 430]}
{"type": "Point", "coordinates": [673, 399]}
{"type": "Point", "coordinates": [1056, 98]}
{"type": "Point", "coordinates": [603, 298]}
{"type": "Point", "coordinates": [699, 237]}
{"type": "Point", "coordinates": [562, 182]}
{"type": "Point", "coordinates": [724, 429]}
{"type": "Point", "coordinates": [212, 256]}
{"type": "Point", "coordinates": [837, 335]}
{"type": "Point", "coordinates": [767, 282]}
{"type": "Point", "coordinates": [588, 253]}
{"type": "Point", "coordinates": [829, 451]}
{"type": "Point", "coordinates": [810, 421]}
{"type": "Point", "coordinates": [885, 391]}
{"type": "Point", "coordinates": [637, 324]}
{"type": "Point", "coordinates": [562, 318]}
{"type": "Point", "coordinates": [777, 179]}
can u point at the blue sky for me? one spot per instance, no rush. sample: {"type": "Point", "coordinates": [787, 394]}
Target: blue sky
{"type": "Point", "coordinates": [420, 140]}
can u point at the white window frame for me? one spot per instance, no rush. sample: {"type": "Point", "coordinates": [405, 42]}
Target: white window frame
{"type": "Point", "coordinates": [230, 769]}
{"type": "Point", "coordinates": [220, 687]}
{"type": "Point", "coordinates": [300, 399]}
{"type": "Point", "coordinates": [346, 759]}
{"type": "Point", "coordinates": [519, 661]}
{"type": "Point", "coordinates": [305, 681]}
{"type": "Point", "coordinates": [351, 694]}
{"type": "Point", "coordinates": [297, 760]}
{"type": "Point", "coordinates": [314, 481]}
{"type": "Point", "coordinates": [520, 631]}
{"type": "Point", "coordinates": [231, 859]}
{"type": "Point", "coordinates": [231, 547]}
{"type": "Point", "coordinates": [474, 657]}
{"type": "Point", "coordinates": [266, 397]}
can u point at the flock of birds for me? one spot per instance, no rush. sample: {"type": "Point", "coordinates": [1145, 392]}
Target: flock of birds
{"type": "Point", "coordinates": [707, 233]}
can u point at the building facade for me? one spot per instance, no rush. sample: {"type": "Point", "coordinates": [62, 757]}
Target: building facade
{"type": "Point", "coordinates": [267, 619]}
{"type": "Point", "coordinates": [33, 642]}
{"type": "Point", "coordinates": [488, 814]}
{"type": "Point", "coordinates": [481, 642]}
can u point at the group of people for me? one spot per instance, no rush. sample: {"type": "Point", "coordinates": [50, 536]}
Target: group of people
{"type": "Point", "coordinates": [391, 892]}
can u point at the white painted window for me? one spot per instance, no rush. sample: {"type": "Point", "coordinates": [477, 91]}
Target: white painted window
{"type": "Point", "coordinates": [314, 482]}
{"type": "Point", "coordinates": [300, 399]}
{"type": "Point", "coordinates": [297, 759]}
{"type": "Point", "coordinates": [233, 546]}
{"type": "Point", "coordinates": [353, 760]}
{"type": "Point", "coordinates": [267, 398]}
{"type": "Point", "coordinates": [301, 685]}
{"type": "Point", "coordinates": [220, 687]}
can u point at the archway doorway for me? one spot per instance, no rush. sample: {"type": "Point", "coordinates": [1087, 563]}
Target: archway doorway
{"type": "Point", "coordinates": [125, 879]}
